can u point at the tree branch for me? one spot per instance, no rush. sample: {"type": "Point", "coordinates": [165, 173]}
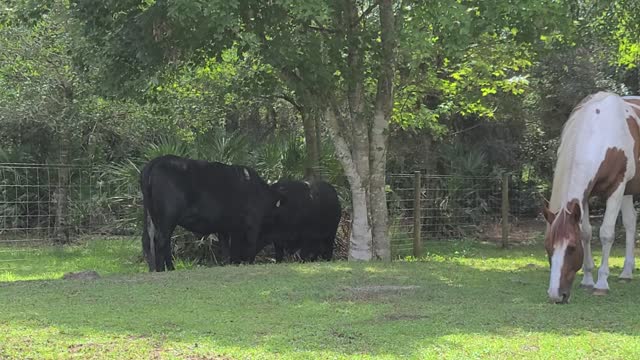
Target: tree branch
{"type": "Point", "coordinates": [365, 13]}
{"type": "Point", "coordinates": [321, 28]}
{"type": "Point", "coordinates": [291, 101]}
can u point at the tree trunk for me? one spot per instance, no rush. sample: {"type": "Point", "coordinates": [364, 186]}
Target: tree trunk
{"type": "Point", "coordinates": [378, 202]}
{"type": "Point", "coordinates": [380, 134]}
{"type": "Point", "coordinates": [311, 140]}
{"type": "Point", "coordinates": [361, 239]}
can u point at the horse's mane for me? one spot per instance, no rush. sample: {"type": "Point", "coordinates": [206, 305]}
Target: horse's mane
{"type": "Point", "coordinates": [567, 151]}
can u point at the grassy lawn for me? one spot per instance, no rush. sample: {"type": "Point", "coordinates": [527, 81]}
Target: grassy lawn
{"type": "Point", "coordinates": [463, 300]}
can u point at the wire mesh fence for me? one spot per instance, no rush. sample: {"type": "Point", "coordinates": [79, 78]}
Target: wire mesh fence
{"type": "Point", "coordinates": [54, 203]}
{"type": "Point", "coordinates": [47, 204]}
{"type": "Point", "coordinates": [42, 204]}
{"type": "Point", "coordinates": [426, 207]}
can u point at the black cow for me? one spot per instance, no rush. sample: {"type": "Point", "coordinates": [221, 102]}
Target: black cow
{"type": "Point", "coordinates": [202, 197]}
{"type": "Point", "coordinates": [306, 221]}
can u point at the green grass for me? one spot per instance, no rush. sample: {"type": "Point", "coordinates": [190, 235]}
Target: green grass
{"type": "Point", "coordinates": [107, 256]}
{"type": "Point", "coordinates": [471, 301]}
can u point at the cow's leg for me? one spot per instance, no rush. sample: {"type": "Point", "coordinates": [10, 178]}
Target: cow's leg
{"type": "Point", "coordinates": [223, 241]}
{"type": "Point", "coordinates": [629, 220]}
{"type": "Point", "coordinates": [236, 243]}
{"type": "Point", "coordinates": [159, 255]}
{"type": "Point", "coordinates": [163, 246]}
{"type": "Point", "coordinates": [279, 251]}
{"type": "Point", "coordinates": [587, 263]}
{"type": "Point", "coordinates": [607, 229]}
{"type": "Point", "coordinates": [249, 253]}
{"type": "Point", "coordinates": [327, 248]}
{"type": "Point", "coordinates": [307, 246]}
{"type": "Point", "coordinates": [168, 256]}
{"type": "Point", "coordinates": [146, 240]}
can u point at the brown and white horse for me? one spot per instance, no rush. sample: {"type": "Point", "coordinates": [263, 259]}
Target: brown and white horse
{"type": "Point", "coordinates": [599, 154]}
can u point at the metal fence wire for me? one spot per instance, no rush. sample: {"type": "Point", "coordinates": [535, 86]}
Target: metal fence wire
{"type": "Point", "coordinates": [457, 207]}
{"type": "Point", "coordinates": [45, 204]}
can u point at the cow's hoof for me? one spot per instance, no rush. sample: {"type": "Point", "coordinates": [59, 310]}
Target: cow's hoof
{"type": "Point", "coordinates": [586, 287]}
{"type": "Point", "coordinates": [600, 292]}
{"type": "Point", "coordinates": [624, 280]}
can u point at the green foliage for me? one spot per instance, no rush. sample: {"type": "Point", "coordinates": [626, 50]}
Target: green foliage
{"type": "Point", "coordinates": [120, 82]}
{"type": "Point", "coordinates": [462, 59]}
{"type": "Point", "coordinates": [228, 148]}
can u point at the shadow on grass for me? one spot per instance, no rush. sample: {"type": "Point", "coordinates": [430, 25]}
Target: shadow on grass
{"type": "Point", "coordinates": [319, 309]}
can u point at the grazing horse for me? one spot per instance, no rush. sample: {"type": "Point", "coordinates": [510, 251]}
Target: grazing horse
{"type": "Point", "coordinates": [599, 154]}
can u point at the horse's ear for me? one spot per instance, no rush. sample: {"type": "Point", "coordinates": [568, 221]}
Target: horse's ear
{"type": "Point", "coordinates": [575, 210]}
{"type": "Point", "coordinates": [548, 215]}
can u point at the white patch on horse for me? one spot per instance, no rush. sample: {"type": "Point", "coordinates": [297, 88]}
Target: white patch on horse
{"type": "Point", "coordinates": [246, 175]}
{"type": "Point", "coordinates": [557, 261]}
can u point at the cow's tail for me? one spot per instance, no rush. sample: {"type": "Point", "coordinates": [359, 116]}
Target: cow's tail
{"type": "Point", "coordinates": [149, 226]}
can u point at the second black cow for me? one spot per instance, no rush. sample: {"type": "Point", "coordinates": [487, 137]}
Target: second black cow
{"type": "Point", "coordinates": [307, 220]}
{"type": "Point", "coordinates": [203, 197]}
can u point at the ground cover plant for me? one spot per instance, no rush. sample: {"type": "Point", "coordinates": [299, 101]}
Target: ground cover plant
{"type": "Point", "coordinates": [462, 300]}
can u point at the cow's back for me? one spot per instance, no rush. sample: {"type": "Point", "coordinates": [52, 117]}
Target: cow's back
{"type": "Point", "coordinates": [206, 197]}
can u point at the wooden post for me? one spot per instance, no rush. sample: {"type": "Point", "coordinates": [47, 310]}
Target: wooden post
{"type": "Point", "coordinates": [417, 217]}
{"type": "Point", "coordinates": [505, 210]}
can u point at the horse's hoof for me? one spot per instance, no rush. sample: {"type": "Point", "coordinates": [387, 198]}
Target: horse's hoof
{"type": "Point", "coordinates": [600, 292]}
{"type": "Point", "coordinates": [624, 280]}
{"type": "Point", "coordinates": [586, 287]}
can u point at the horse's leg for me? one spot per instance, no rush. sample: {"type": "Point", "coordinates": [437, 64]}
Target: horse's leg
{"type": "Point", "coordinates": [629, 220]}
{"type": "Point", "coordinates": [587, 264]}
{"type": "Point", "coordinates": [614, 202]}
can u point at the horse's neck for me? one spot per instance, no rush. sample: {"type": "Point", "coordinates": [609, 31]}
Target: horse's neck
{"type": "Point", "coordinates": [575, 170]}
{"type": "Point", "coordinates": [573, 186]}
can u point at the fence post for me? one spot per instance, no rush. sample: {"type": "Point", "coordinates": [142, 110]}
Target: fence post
{"type": "Point", "coordinates": [60, 231]}
{"type": "Point", "coordinates": [505, 209]}
{"type": "Point", "coordinates": [417, 218]}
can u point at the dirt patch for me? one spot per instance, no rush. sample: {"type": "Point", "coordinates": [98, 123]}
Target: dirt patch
{"type": "Point", "coordinates": [383, 288]}
{"type": "Point", "coordinates": [75, 348]}
{"type": "Point", "coordinates": [532, 267]}
{"type": "Point", "coordinates": [81, 275]}
{"type": "Point", "coordinates": [401, 317]}
{"type": "Point", "coordinates": [207, 357]}
{"type": "Point", "coordinates": [375, 292]}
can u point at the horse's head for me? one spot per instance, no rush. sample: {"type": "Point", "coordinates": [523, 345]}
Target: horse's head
{"type": "Point", "coordinates": [564, 249]}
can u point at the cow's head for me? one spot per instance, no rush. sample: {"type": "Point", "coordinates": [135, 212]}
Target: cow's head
{"type": "Point", "coordinates": [279, 199]}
